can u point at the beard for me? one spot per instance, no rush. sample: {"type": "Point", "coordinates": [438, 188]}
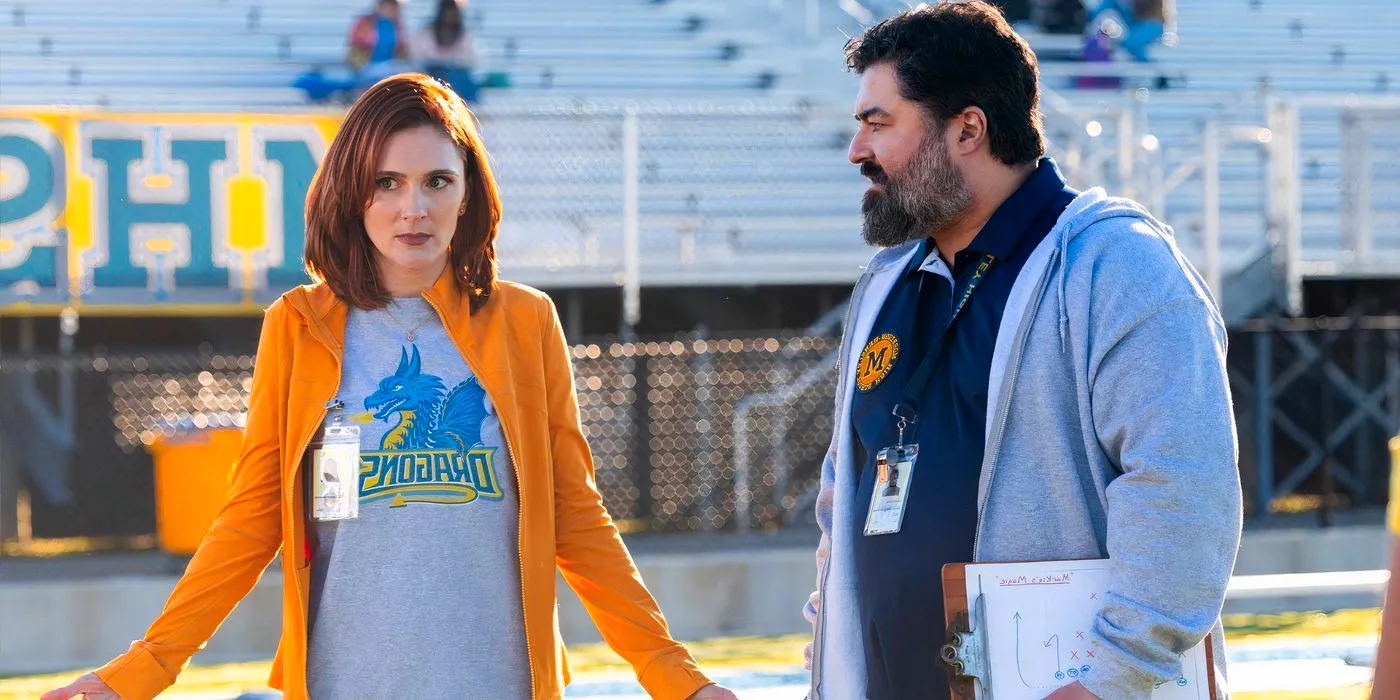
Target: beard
{"type": "Point", "coordinates": [923, 201]}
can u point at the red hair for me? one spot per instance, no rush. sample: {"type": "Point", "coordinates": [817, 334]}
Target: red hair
{"type": "Point", "coordinates": [338, 249]}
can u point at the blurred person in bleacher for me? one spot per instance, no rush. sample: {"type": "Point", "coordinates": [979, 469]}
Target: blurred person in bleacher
{"type": "Point", "coordinates": [1386, 682]}
{"type": "Point", "coordinates": [1057, 363]}
{"type": "Point", "coordinates": [444, 50]}
{"type": "Point", "coordinates": [475, 483]}
{"type": "Point", "coordinates": [377, 46]}
{"type": "Point", "coordinates": [1061, 16]}
{"type": "Point", "coordinates": [1145, 23]}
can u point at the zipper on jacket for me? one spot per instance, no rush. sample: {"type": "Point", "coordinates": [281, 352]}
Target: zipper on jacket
{"type": "Point", "coordinates": [1005, 416]}
{"type": "Point", "coordinates": [291, 495]}
{"type": "Point", "coordinates": [291, 504]}
{"type": "Point", "coordinates": [520, 551]}
{"type": "Point", "coordinates": [819, 635]}
{"type": "Point", "coordinates": [520, 506]}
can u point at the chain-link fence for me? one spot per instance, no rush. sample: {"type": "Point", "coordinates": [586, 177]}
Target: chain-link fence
{"type": "Point", "coordinates": [74, 433]}
{"type": "Point", "coordinates": [660, 417]}
{"type": "Point", "coordinates": [688, 434]}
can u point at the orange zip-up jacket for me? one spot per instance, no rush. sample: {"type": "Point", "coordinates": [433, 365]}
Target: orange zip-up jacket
{"type": "Point", "coordinates": [515, 346]}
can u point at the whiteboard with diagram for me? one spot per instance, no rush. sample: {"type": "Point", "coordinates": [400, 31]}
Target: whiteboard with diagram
{"type": "Point", "coordinates": [1037, 618]}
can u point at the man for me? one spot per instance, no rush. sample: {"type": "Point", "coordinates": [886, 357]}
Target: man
{"type": "Point", "coordinates": [1077, 405]}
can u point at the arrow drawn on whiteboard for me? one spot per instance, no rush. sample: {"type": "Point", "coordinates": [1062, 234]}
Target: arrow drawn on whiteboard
{"type": "Point", "coordinates": [1055, 639]}
{"type": "Point", "coordinates": [1018, 652]}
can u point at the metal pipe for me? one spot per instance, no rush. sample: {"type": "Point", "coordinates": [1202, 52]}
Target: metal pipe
{"type": "Point", "coordinates": [857, 11]}
{"type": "Point", "coordinates": [1329, 482]}
{"type": "Point", "coordinates": [740, 431]}
{"type": "Point", "coordinates": [1347, 157]}
{"type": "Point", "coordinates": [1156, 178]}
{"type": "Point", "coordinates": [631, 232]}
{"type": "Point", "coordinates": [743, 496]}
{"type": "Point", "coordinates": [1181, 174]}
{"type": "Point", "coordinates": [1365, 431]}
{"type": "Point", "coordinates": [67, 391]}
{"type": "Point", "coordinates": [780, 424]}
{"type": "Point", "coordinates": [706, 471]}
{"type": "Point", "coordinates": [1263, 424]}
{"type": "Point", "coordinates": [1392, 370]}
{"type": "Point", "coordinates": [1363, 192]}
{"type": "Point", "coordinates": [1283, 121]}
{"type": "Point", "coordinates": [1126, 146]}
{"type": "Point", "coordinates": [1210, 214]}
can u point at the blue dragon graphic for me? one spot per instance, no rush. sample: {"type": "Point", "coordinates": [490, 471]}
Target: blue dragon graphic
{"type": "Point", "coordinates": [430, 417]}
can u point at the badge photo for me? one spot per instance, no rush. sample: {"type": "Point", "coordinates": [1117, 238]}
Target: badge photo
{"type": "Point", "coordinates": [895, 469]}
{"type": "Point", "coordinates": [335, 468]}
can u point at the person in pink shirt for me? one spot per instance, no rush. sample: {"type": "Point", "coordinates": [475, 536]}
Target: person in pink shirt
{"type": "Point", "coordinates": [444, 50]}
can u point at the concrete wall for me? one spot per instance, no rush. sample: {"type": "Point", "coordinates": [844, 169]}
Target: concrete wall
{"type": "Point", "coordinates": [1304, 550]}
{"type": "Point", "coordinates": [61, 625]}
{"type": "Point", "coordinates": [753, 592]}
{"type": "Point", "coordinates": [57, 624]}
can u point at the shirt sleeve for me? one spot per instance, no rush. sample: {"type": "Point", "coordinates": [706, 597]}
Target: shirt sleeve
{"type": "Point", "coordinates": [589, 551]}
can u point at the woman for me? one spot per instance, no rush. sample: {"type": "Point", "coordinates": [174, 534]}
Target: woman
{"type": "Point", "coordinates": [474, 478]}
{"type": "Point", "coordinates": [444, 49]}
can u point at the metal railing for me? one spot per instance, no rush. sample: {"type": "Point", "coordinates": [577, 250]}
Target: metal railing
{"type": "Point", "coordinates": [1322, 583]}
{"type": "Point", "coordinates": [1277, 130]}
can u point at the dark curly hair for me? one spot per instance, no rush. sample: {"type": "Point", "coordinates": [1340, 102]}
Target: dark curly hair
{"type": "Point", "coordinates": [954, 55]}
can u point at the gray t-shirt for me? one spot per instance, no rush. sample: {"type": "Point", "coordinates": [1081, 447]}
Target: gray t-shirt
{"type": "Point", "coordinates": [419, 597]}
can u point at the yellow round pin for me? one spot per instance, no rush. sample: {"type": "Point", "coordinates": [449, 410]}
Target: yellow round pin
{"type": "Point", "coordinates": [876, 361]}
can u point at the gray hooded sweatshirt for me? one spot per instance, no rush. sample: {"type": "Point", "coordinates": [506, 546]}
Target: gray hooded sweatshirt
{"type": "Point", "coordinates": [1109, 434]}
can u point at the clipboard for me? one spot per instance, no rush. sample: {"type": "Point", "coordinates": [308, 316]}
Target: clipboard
{"type": "Point", "coordinates": [968, 651]}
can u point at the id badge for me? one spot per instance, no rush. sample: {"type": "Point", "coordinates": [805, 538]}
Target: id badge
{"type": "Point", "coordinates": [335, 474]}
{"type": "Point", "coordinates": [895, 469]}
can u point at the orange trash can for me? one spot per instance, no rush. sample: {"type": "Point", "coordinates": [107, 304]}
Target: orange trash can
{"type": "Point", "coordinates": [193, 471]}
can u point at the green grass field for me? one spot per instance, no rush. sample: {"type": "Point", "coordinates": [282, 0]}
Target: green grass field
{"type": "Point", "coordinates": [786, 652]}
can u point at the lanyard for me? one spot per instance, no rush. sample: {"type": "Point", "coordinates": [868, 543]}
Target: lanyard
{"type": "Point", "coordinates": [906, 411]}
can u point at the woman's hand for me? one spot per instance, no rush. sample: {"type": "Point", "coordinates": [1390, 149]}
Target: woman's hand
{"type": "Point", "coordinates": [87, 686]}
{"type": "Point", "coordinates": [709, 692]}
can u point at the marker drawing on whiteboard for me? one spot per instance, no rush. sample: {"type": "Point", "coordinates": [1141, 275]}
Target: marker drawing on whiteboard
{"type": "Point", "coordinates": [1063, 579]}
{"type": "Point", "coordinates": [1059, 668]}
{"type": "Point", "coordinates": [1018, 652]}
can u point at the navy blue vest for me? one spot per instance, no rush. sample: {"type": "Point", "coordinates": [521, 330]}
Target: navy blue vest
{"type": "Point", "coordinates": [900, 575]}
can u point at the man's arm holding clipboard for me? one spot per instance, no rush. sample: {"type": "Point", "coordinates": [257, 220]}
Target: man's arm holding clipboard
{"type": "Point", "coordinates": [1162, 414]}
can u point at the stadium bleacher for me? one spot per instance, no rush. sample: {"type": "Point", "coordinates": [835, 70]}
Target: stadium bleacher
{"type": "Point", "coordinates": [249, 46]}
{"type": "Point", "coordinates": [743, 118]}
